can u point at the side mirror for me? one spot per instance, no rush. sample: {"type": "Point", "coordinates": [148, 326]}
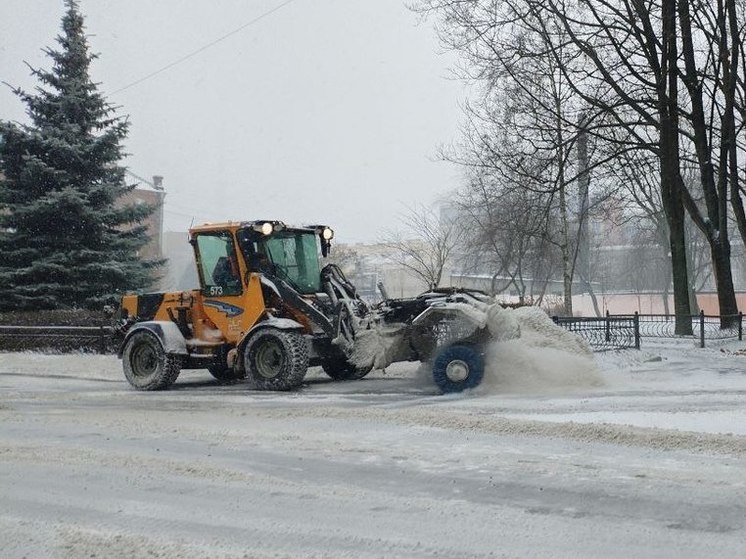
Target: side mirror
{"type": "Point", "coordinates": [326, 234]}
{"type": "Point", "coordinates": [326, 246]}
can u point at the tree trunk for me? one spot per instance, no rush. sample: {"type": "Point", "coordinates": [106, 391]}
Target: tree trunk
{"type": "Point", "coordinates": [727, 305]}
{"type": "Point", "coordinates": [678, 271]}
{"type": "Point", "coordinates": [594, 299]}
{"type": "Point", "coordinates": [715, 191]}
{"type": "Point", "coordinates": [663, 242]}
{"type": "Point", "coordinates": [566, 264]}
{"type": "Point", "coordinates": [664, 296]}
{"type": "Point", "coordinates": [693, 305]}
{"type": "Point", "coordinates": [669, 165]}
{"type": "Point", "coordinates": [583, 245]}
{"type": "Point", "coordinates": [565, 243]}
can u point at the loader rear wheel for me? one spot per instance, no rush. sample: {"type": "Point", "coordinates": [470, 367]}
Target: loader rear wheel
{"type": "Point", "coordinates": [276, 359]}
{"type": "Point", "coordinates": [146, 365]}
{"type": "Point", "coordinates": [458, 367]}
{"type": "Point", "coordinates": [340, 368]}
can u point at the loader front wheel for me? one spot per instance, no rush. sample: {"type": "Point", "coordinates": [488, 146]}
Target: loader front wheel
{"type": "Point", "coordinates": [146, 365]}
{"type": "Point", "coordinates": [341, 369]}
{"type": "Point", "coordinates": [458, 367]}
{"type": "Point", "coordinates": [276, 359]}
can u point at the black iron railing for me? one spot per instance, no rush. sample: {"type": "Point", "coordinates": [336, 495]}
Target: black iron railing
{"type": "Point", "coordinates": [605, 333]}
{"type": "Point", "coordinates": [56, 338]}
{"type": "Point", "coordinates": [626, 331]}
{"type": "Point", "coordinates": [602, 333]}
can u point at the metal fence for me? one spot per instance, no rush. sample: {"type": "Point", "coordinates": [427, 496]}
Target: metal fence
{"type": "Point", "coordinates": [627, 331]}
{"type": "Point", "coordinates": [56, 338]}
{"type": "Point", "coordinates": [602, 333]}
{"type": "Point", "coordinates": [605, 333]}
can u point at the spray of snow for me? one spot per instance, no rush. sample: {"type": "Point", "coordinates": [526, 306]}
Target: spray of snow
{"type": "Point", "coordinates": [530, 353]}
{"type": "Point", "coordinates": [517, 367]}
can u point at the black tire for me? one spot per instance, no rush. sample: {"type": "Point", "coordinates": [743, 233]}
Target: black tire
{"type": "Point", "coordinates": [339, 368]}
{"type": "Point", "coordinates": [276, 359]}
{"type": "Point", "coordinates": [458, 367]}
{"type": "Point", "coordinates": [146, 365]}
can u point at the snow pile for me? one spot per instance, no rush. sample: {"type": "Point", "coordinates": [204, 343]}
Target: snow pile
{"type": "Point", "coordinates": [502, 324]}
{"type": "Point", "coordinates": [377, 347]}
{"type": "Point", "coordinates": [381, 345]}
{"type": "Point", "coordinates": [532, 354]}
{"type": "Point", "coordinates": [538, 330]}
{"type": "Point", "coordinates": [475, 316]}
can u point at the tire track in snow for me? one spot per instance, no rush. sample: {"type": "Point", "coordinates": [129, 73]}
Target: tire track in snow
{"type": "Point", "coordinates": [625, 435]}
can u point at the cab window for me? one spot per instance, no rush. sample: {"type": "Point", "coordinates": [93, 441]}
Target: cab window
{"type": "Point", "coordinates": [295, 257]}
{"type": "Point", "coordinates": [218, 264]}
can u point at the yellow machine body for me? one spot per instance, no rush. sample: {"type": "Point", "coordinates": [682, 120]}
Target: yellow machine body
{"type": "Point", "coordinates": [211, 316]}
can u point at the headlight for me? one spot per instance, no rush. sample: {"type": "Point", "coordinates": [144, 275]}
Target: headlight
{"type": "Point", "coordinates": [266, 228]}
{"type": "Point", "coordinates": [327, 234]}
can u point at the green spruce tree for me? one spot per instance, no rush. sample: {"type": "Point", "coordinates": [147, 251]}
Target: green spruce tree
{"type": "Point", "coordinates": [64, 241]}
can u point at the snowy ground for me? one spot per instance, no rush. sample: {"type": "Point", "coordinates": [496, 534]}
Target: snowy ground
{"type": "Point", "coordinates": [645, 459]}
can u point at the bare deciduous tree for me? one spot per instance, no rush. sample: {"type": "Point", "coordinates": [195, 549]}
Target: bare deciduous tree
{"type": "Point", "coordinates": [528, 128]}
{"type": "Point", "coordinates": [424, 244]}
{"type": "Point", "coordinates": [344, 256]}
{"type": "Point", "coordinates": [664, 76]}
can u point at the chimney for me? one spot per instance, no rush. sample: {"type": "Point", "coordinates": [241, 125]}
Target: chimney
{"type": "Point", "coordinates": [158, 225]}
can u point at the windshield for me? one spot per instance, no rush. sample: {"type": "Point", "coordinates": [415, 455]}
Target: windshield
{"type": "Point", "coordinates": [295, 257]}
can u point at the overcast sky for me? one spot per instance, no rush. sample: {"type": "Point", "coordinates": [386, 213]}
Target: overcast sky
{"type": "Point", "coordinates": [325, 111]}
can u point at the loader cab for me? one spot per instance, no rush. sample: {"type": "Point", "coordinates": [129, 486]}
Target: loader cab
{"type": "Point", "coordinates": [227, 255]}
{"type": "Point", "coordinates": [290, 254]}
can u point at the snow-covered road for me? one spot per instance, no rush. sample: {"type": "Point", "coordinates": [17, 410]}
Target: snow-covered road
{"type": "Point", "coordinates": [651, 464]}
